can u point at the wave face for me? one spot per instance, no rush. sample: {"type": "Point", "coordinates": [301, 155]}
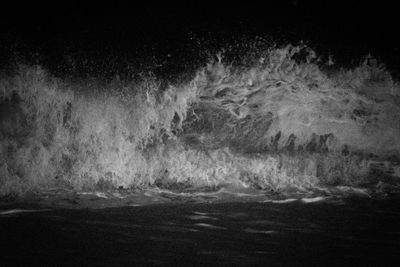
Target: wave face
{"type": "Point", "coordinates": [285, 121]}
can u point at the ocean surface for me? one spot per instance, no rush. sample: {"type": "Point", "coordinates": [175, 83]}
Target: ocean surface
{"type": "Point", "coordinates": [350, 231]}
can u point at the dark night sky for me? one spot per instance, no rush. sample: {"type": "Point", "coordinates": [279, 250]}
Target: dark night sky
{"type": "Point", "coordinates": [347, 29]}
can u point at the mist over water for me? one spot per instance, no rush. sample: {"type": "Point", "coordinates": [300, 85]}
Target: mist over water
{"type": "Point", "coordinates": [284, 119]}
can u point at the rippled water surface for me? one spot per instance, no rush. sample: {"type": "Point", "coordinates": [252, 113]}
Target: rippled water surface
{"type": "Point", "coordinates": [340, 232]}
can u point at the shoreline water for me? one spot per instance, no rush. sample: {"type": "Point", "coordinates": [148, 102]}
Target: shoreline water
{"type": "Point", "coordinates": [353, 232]}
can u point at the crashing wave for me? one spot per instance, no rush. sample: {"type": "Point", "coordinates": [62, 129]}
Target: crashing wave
{"type": "Point", "coordinates": [286, 121]}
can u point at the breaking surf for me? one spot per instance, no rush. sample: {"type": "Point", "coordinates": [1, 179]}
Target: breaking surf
{"type": "Point", "coordinates": [282, 123]}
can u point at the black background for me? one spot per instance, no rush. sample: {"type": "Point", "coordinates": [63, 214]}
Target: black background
{"type": "Point", "coordinates": [114, 36]}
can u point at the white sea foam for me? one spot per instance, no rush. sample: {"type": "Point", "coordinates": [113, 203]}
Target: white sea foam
{"type": "Point", "coordinates": [200, 213]}
{"type": "Point", "coordinates": [210, 226]}
{"type": "Point", "coordinates": [354, 190]}
{"type": "Point", "coordinates": [201, 217]}
{"type": "Point", "coordinates": [280, 201]}
{"type": "Point", "coordinates": [254, 231]}
{"type": "Point", "coordinates": [16, 211]}
{"type": "Point", "coordinates": [312, 199]}
{"type": "Point", "coordinates": [97, 194]}
{"type": "Point", "coordinates": [118, 195]}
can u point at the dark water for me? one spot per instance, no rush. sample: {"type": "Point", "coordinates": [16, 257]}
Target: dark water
{"type": "Point", "coordinates": [350, 232]}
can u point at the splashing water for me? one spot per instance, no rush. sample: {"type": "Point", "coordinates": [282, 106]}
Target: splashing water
{"type": "Point", "coordinates": [283, 122]}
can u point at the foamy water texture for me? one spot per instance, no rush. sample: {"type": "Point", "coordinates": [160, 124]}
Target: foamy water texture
{"type": "Point", "coordinates": [18, 211]}
{"type": "Point", "coordinates": [287, 121]}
